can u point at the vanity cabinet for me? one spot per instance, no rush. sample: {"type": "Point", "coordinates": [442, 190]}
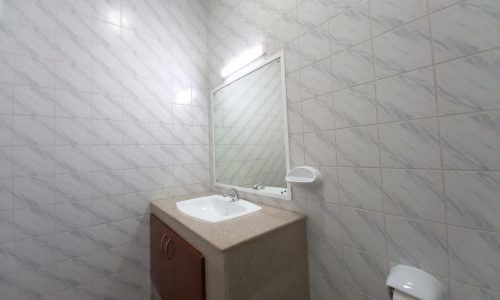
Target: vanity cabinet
{"type": "Point", "coordinates": [177, 269]}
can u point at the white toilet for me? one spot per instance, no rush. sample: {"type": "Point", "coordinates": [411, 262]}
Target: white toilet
{"type": "Point", "coordinates": [409, 283]}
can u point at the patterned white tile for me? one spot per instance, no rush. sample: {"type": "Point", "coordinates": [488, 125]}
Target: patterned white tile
{"type": "Point", "coordinates": [412, 144]}
{"type": "Point", "coordinates": [315, 79]}
{"type": "Point", "coordinates": [366, 272]}
{"type": "Point", "coordinates": [320, 148]}
{"type": "Point", "coordinates": [407, 96]}
{"type": "Point", "coordinates": [473, 256]}
{"type": "Point", "coordinates": [326, 256]}
{"type": "Point", "coordinates": [350, 28]}
{"type": "Point", "coordinates": [358, 147]}
{"type": "Point", "coordinates": [462, 291]}
{"type": "Point", "coordinates": [419, 244]}
{"type": "Point", "coordinates": [314, 45]}
{"type": "Point", "coordinates": [465, 28]}
{"type": "Point", "coordinates": [414, 193]}
{"type": "Point", "coordinates": [471, 141]}
{"type": "Point", "coordinates": [6, 98]}
{"type": "Point", "coordinates": [472, 199]}
{"type": "Point", "coordinates": [469, 84]}
{"type": "Point", "coordinates": [355, 106]}
{"type": "Point", "coordinates": [325, 220]}
{"type": "Point", "coordinates": [352, 67]}
{"type": "Point", "coordinates": [403, 49]}
{"type": "Point", "coordinates": [361, 188]}
{"type": "Point", "coordinates": [390, 14]}
{"type": "Point", "coordinates": [363, 230]}
{"type": "Point", "coordinates": [312, 13]}
{"type": "Point", "coordinates": [318, 113]}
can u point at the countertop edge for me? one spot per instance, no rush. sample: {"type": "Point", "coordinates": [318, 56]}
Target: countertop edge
{"type": "Point", "coordinates": [184, 220]}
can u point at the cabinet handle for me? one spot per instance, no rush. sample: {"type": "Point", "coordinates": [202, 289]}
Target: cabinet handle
{"type": "Point", "coordinates": [166, 248]}
{"type": "Point", "coordinates": [161, 243]}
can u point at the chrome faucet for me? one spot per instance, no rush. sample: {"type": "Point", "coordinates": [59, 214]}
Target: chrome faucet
{"type": "Point", "coordinates": [258, 186]}
{"type": "Point", "coordinates": [232, 193]}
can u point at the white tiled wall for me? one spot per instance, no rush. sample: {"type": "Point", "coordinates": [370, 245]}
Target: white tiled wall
{"type": "Point", "coordinates": [103, 107]}
{"type": "Point", "coordinates": [396, 102]}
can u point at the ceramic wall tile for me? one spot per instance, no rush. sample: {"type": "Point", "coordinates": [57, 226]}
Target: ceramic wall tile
{"type": "Point", "coordinates": [329, 190]}
{"type": "Point", "coordinates": [363, 230]}
{"type": "Point", "coordinates": [295, 118]}
{"type": "Point", "coordinates": [410, 144]}
{"type": "Point", "coordinates": [477, 20]}
{"type": "Point", "coordinates": [440, 4]}
{"type": "Point", "coordinates": [414, 193]}
{"type": "Point", "coordinates": [5, 162]}
{"type": "Point", "coordinates": [312, 13]}
{"type": "Point", "coordinates": [358, 147]}
{"type": "Point", "coordinates": [318, 113]}
{"type": "Point", "coordinates": [473, 256]}
{"type": "Point", "coordinates": [326, 257]}
{"type": "Point", "coordinates": [407, 96]}
{"type": "Point", "coordinates": [468, 84]}
{"type": "Point", "coordinates": [314, 45]}
{"type": "Point", "coordinates": [472, 199]}
{"type": "Point", "coordinates": [297, 150]}
{"type": "Point", "coordinates": [352, 67]}
{"type": "Point", "coordinates": [284, 30]}
{"type": "Point", "coordinates": [471, 142]}
{"type": "Point", "coordinates": [360, 188]}
{"type": "Point", "coordinates": [66, 66]}
{"type": "Point", "coordinates": [350, 27]}
{"type": "Point", "coordinates": [419, 244]}
{"type": "Point", "coordinates": [320, 149]}
{"type": "Point", "coordinates": [366, 273]}
{"type": "Point", "coordinates": [403, 49]}
{"type": "Point", "coordinates": [6, 98]}
{"type": "Point", "coordinates": [6, 193]}
{"type": "Point", "coordinates": [115, 70]}
{"type": "Point", "coordinates": [316, 80]}
{"type": "Point", "coordinates": [326, 221]}
{"type": "Point", "coordinates": [460, 291]}
{"type": "Point", "coordinates": [355, 106]}
{"type": "Point", "coordinates": [389, 14]}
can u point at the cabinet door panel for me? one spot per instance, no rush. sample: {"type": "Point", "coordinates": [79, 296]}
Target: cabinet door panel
{"type": "Point", "coordinates": [162, 269]}
{"type": "Point", "coordinates": [177, 269]}
{"type": "Point", "coordinates": [189, 265]}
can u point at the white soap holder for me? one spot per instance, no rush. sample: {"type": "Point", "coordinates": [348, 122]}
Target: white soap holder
{"type": "Point", "coordinates": [303, 175]}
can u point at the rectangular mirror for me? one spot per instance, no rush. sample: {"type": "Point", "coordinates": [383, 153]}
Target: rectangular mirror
{"type": "Point", "coordinates": [250, 131]}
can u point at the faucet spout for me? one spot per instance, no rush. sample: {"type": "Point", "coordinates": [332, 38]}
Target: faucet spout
{"type": "Point", "coordinates": [231, 193]}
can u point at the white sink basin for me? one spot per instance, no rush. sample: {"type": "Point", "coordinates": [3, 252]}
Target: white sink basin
{"type": "Point", "coordinates": [216, 208]}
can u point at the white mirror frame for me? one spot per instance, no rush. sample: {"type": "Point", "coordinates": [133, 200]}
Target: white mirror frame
{"type": "Point", "coordinates": [242, 73]}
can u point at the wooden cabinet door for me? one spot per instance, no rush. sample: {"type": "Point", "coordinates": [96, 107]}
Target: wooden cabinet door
{"type": "Point", "coordinates": [177, 269]}
{"type": "Point", "coordinates": [189, 266]}
{"type": "Point", "coordinates": [162, 269]}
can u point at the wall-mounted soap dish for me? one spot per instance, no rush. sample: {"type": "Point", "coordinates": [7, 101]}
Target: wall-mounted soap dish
{"type": "Point", "coordinates": [303, 175]}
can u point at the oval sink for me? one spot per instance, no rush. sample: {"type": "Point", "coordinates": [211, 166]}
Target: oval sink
{"type": "Point", "coordinates": [216, 208]}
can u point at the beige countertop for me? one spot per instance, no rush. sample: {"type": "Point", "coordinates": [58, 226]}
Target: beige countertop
{"type": "Point", "coordinates": [230, 233]}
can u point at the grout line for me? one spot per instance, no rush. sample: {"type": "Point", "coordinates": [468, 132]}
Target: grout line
{"type": "Point", "coordinates": [377, 116]}
{"type": "Point", "coordinates": [439, 119]}
{"type": "Point", "coordinates": [414, 119]}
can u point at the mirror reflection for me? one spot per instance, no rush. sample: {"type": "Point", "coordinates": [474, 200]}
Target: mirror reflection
{"type": "Point", "coordinates": [250, 141]}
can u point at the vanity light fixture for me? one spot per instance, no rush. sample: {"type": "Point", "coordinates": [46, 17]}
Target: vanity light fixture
{"type": "Point", "coordinates": [242, 60]}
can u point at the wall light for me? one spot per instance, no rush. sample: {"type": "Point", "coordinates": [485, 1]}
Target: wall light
{"type": "Point", "coordinates": [242, 60]}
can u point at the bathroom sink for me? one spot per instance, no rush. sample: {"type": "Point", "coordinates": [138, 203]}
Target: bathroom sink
{"type": "Point", "coordinates": [216, 208]}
